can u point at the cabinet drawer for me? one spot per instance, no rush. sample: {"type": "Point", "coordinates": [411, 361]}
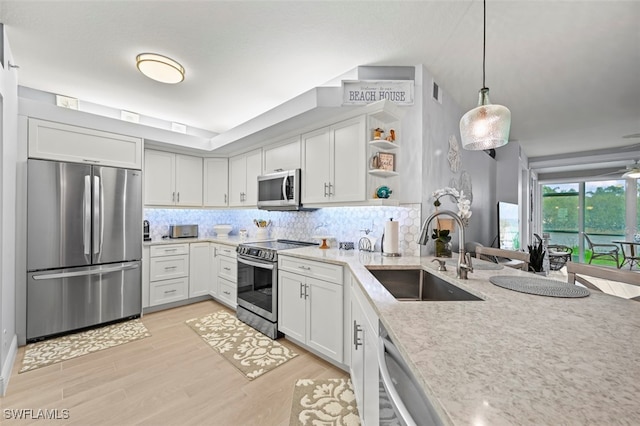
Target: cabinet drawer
{"type": "Point", "coordinates": [228, 292]}
{"type": "Point", "coordinates": [310, 268]}
{"type": "Point", "coordinates": [167, 291]}
{"type": "Point", "coordinates": [228, 269]}
{"type": "Point", "coordinates": [169, 249]}
{"type": "Point", "coordinates": [167, 267]}
{"type": "Point", "coordinates": [224, 250]}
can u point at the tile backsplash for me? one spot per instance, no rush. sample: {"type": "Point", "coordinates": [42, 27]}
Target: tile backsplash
{"type": "Point", "coordinates": [343, 223]}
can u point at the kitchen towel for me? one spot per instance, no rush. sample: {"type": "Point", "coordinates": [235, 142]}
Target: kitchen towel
{"type": "Point", "coordinates": [390, 244]}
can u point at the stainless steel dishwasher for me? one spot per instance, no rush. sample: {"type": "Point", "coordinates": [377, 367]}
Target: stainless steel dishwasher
{"type": "Point", "coordinates": [402, 400]}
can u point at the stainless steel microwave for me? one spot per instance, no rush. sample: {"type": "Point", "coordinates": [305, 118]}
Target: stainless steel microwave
{"type": "Point", "coordinates": [280, 190]}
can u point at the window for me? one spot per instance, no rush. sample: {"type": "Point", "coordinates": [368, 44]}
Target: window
{"type": "Point", "coordinates": [603, 218]}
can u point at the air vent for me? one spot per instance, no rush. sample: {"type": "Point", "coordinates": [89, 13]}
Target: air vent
{"type": "Point", "coordinates": [436, 94]}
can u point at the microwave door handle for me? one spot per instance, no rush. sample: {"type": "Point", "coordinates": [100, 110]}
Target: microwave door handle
{"type": "Point", "coordinates": [284, 188]}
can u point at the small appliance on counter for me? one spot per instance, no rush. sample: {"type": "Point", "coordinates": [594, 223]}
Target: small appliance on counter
{"type": "Point", "coordinates": [183, 231]}
{"type": "Point", "coordinates": [145, 231]}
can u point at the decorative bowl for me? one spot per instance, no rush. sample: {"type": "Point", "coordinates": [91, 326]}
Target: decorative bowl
{"type": "Point", "coordinates": [222, 230]}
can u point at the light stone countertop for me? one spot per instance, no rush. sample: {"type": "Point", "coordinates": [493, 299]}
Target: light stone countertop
{"type": "Point", "coordinates": [231, 240]}
{"type": "Point", "coordinates": [513, 358]}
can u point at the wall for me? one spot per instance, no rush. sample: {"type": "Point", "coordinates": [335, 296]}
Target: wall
{"type": "Point", "coordinates": [8, 156]}
{"type": "Point", "coordinates": [477, 171]}
{"type": "Point", "coordinates": [344, 223]}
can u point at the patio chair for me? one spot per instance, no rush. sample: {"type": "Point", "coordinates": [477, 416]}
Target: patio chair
{"type": "Point", "coordinates": [607, 251]}
{"type": "Point", "coordinates": [559, 255]}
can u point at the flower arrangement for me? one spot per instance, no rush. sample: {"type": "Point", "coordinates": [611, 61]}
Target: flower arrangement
{"type": "Point", "coordinates": [464, 205]}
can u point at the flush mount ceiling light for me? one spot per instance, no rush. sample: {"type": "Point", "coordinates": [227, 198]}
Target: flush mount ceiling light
{"type": "Point", "coordinates": [486, 126]}
{"type": "Point", "coordinates": [160, 68]}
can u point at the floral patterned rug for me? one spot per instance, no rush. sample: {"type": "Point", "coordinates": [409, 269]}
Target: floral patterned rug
{"type": "Point", "coordinates": [52, 351]}
{"type": "Point", "coordinates": [324, 402]}
{"type": "Point", "coordinates": [250, 351]}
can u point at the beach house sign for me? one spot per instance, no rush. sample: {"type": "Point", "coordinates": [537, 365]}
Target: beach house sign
{"type": "Point", "coordinates": [362, 92]}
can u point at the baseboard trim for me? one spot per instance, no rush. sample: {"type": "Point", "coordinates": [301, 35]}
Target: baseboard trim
{"type": "Point", "coordinates": [8, 365]}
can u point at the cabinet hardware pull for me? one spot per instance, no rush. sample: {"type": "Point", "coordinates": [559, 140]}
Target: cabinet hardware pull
{"type": "Point", "coordinates": [325, 189]}
{"type": "Point", "coordinates": [173, 197]}
{"type": "Point", "coordinates": [169, 291]}
{"type": "Point", "coordinates": [306, 291]}
{"type": "Point", "coordinates": [330, 191]}
{"type": "Point", "coordinates": [306, 268]}
{"type": "Point", "coordinates": [90, 161]}
{"type": "Point", "coordinates": [171, 249]}
{"type": "Point", "coordinates": [169, 267]}
{"type": "Point", "coordinates": [179, 195]}
{"type": "Point", "coordinates": [301, 292]}
{"type": "Point", "coordinates": [225, 198]}
{"type": "Point", "coordinates": [227, 269]}
{"type": "Point", "coordinates": [356, 340]}
{"type": "Point", "coordinates": [227, 293]}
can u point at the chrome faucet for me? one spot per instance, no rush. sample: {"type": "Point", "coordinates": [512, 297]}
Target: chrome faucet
{"type": "Point", "coordinates": [464, 259]}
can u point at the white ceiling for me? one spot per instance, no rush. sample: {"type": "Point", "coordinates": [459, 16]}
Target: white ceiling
{"type": "Point", "coordinates": [568, 70]}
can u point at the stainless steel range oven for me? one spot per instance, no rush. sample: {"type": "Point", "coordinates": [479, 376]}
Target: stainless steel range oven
{"type": "Point", "coordinates": [258, 283]}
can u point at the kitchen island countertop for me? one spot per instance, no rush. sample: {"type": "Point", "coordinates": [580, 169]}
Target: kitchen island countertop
{"type": "Point", "coordinates": [512, 358]}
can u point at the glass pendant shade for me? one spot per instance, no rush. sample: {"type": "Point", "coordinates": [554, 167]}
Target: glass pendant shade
{"type": "Point", "coordinates": [160, 68]}
{"type": "Point", "coordinates": [486, 126]}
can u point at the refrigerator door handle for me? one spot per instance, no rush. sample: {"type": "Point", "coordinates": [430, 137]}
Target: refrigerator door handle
{"type": "Point", "coordinates": [86, 216]}
{"type": "Point", "coordinates": [59, 275]}
{"type": "Point", "coordinates": [97, 216]}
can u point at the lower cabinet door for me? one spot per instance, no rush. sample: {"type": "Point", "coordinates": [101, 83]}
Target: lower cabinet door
{"type": "Point", "coordinates": [291, 305]}
{"type": "Point", "coordinates": [167, 291]}
{"type": "Point", "coordinates": [227, 292]}
{"type": "Point", "coordinates": [324, 317]}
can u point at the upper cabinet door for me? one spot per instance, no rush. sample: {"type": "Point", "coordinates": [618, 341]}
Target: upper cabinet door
{"type": "Point", "coordinates": [188, 180]}
{"type": "Point", "coordinates": [237, 180]}
{"type": "Point", "coordinates": [348, 160]}
{"type": "Point", "coordinates": [254, 169]}
{"type": "Point", "coordinates": [216, 182]}
{"type": "Point", "coordinates": [316, 167]}
{"type": "Point", "coordinates": [282, 156]}
{"type": "Point", "coordinates": [159, 178]}
{"type": "Point", "coordinates": [244, 170]}
{"type": "Point", "coordinates": [62, 142]}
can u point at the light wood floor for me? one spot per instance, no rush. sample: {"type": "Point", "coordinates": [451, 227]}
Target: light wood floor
{"type": "Point", "coordinates": [170, 378]}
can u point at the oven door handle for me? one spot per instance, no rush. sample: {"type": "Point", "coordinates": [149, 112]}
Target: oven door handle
{"type": "Point", "coordinates": [256, 264]}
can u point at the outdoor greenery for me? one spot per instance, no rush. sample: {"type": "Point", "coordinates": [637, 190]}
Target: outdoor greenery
{"type": "Point", "coordinates": [604, 210]}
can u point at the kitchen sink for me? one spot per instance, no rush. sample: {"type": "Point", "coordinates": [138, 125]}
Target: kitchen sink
{"type": "Point", "coordinates": [417, 284]}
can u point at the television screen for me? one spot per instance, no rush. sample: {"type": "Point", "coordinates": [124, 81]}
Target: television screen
{"type": "Point", "coordinates": [508, 226]}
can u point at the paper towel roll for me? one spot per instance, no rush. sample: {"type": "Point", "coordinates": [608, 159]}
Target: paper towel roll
{"type": "Point", "coordinates": [390, 244]}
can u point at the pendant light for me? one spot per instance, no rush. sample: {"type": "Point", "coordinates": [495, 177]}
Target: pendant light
{"type": "Point", "coordinates": [486, 126]}
{"type": "Point", "coordinates": [160, 68]}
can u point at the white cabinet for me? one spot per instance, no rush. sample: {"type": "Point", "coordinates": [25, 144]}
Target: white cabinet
{"type": "Point", "coordinates": [227, 274]}
{"type": "Point", "coordinates": [244, 170]}
{"type": "Point", "coordinates": [168, 273]}
{"type": "Point", "coordinates": [310, 310]}
{"type": "Point", "coordinates": [62, 142]}
{"type": "Point", "coordinates": [199, 269]}
{"type": "Point", "coordinates": [146, 258]}
{"type": "Point", "coordinates": [334, 163]}
{"type": "Point", "coordinates": [172, 179]}
{"type": "Point", "coordinates": [364, 355]}
{"type": "Point", "coordinates": [284, 155]}
{"type": "Point", "coordinates": [216, 182]}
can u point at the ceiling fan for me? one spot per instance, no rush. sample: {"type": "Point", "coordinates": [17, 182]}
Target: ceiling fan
{"type": "Point", "coordinates": [632, 171]}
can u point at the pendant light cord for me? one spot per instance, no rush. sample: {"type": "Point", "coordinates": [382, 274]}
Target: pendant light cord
{"type": "Point", "coordinates": [484, 40]}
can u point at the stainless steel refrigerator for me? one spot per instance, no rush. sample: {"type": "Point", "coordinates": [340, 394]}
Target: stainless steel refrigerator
{"type": "Point", "coordinates": [84, 246]}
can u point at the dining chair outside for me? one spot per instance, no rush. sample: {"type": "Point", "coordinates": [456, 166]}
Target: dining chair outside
{"type": "Point", "coordinates": [607, 251]}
